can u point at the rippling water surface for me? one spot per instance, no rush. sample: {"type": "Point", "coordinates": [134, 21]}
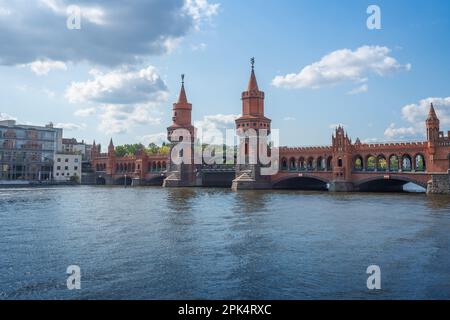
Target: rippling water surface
{"type": "Point", "coordinates": [154, 243]}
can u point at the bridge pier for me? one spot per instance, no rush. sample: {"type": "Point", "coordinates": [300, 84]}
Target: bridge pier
{"type": "Point", "coordinates": [439, 184]}
{"type": "Point", "coordinates": [341, 186]}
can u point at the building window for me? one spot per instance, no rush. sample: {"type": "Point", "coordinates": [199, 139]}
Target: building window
{"type": "Point", "coordinates": [67, 160]}
{"type": "Point", "coordinates": [76, 160]}
{"type": "Point", "coordinates": [59, 160]}
{"type": "Point", "coordinates": [57, 174]}
{"type": "Point", "coordinates": [58, 168]}
{"type": "Point", "coordinates": [66, 168]}
{"type": "Point", "coordinates": [75, 168]}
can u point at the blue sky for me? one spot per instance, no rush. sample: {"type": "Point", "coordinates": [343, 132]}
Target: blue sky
{"type": "Point", "coordinates": [378, 83]}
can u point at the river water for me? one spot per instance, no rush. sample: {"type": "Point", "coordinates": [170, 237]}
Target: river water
{"type": "Point", "coordinates": [155, 243]}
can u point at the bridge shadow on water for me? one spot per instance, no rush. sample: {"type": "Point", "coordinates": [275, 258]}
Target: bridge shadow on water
{"type": "Point", "coordinates": [307, 184]}
{"type": "Point", "coordinates": [372, 186]}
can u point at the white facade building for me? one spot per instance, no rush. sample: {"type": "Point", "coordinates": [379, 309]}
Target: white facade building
{"type": "Point", "coordinates": [67, 167]}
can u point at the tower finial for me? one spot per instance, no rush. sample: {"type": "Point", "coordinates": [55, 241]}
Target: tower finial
{"type": "Point", "coordinates": [182, 79]}
{"type": "Point", "coordinates": [252, 61]}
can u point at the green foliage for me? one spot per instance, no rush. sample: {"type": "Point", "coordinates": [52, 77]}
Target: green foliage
{"type": "Point", "coordinates": [128, 149]}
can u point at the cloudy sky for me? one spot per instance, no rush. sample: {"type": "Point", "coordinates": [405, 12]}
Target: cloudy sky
{"type": "Point", "coordinates": [118, 75]}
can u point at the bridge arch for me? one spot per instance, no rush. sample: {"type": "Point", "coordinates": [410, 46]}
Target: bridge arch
{"type": "Point", "coordinates": [284, 164]}
{"type": "Point", "coordinates": [381, 184]}
{"type": "Point", "coordinates": [330, 163]}
{"type": "Point", "coordinates": [310, 164]}
{"type": "Point", "coordinates": [394, 163]}
{"type": "Point", "coordinates": [123, 181]}
{"type": "Point", "coordinates": [407, 164]}
{"type": "Point", "coordinates": [292, 164]}
{"type": "Point", "coordinates": [358, 163]}
{"type": "Point", "coordinates": [307, 182]}
{"type": "Point", "coordinates": [302, 164]}
{"type": "Point", "coordinates": [371, 163]}
{"type": "Point", "coordinates": [381, 163]}
{"type": "Point", "coordinates": [320, 164]}
{"type": "Point", "coordinates": [419, 162]}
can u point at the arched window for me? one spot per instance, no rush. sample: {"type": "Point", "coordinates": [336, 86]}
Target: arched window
{"type": "Point", "coordinates": [284, 164]}
{"type": "Point", "coordinates": [371, 163]}
{"type": "Point", "coordinates": [320, 164]}
{"type": "Point", "coordinates": [330, 163]}
{"type": "Point", "coordinates": [340, 163]}
{"type": "Point", "coordinates": [381, 163]}
{"type": "Point", "coordinates": [420, 163]}
{"type": "Point", "coordinates": [358, 164]}
{"type": "Point", "coordinates": [302, 164]}
{"type": "Point", "coordinates": [406, 163]}
{"type": "Point", "coordinates": [310, 164]}
{"type": "Point", "coordinates": [292, 164]}
{"type": "Point", "coordinates": [393, 163]}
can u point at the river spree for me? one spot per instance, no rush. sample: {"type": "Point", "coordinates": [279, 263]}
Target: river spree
{"type": "Point", "coordinates": [155, 243]}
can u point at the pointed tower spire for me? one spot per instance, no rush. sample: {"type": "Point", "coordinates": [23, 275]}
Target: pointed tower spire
{"type": "Point", "coordinates": [182, 109]}
{"type": "Point", "coordinates": [182, 97]}
{"type": "Point", "coordinates": [432, 125]}
{"type": "Point", "coordinates": [252, 83]}
{"type": "Point", "coordinates": [111, 144]}
{"type": "Point", "coordinates": [432, 113]}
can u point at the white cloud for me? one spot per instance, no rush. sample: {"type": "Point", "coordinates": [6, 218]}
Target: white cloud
{"type": "Point", "coordinates": [212, 127]}
{"type": "Point", "coordinates": [93, 14]}
{"type": "Point", "coordinates": [118, 119]}
{"type": "Point", "coordinates": [110, 35]}
{"type": "Point", "coordinates": [361, 89]}
{"type": "Point", "coordinates": [43, 67]}
{"type": "Point", "coordinates": [343, 66]}
{"type": "Point", "coordinates": [399, 133]}
{"type": "Point", "coordinates": [201, 10]}
{"type": "Point", "coordinates": [157, 138]}
{"type": "Point", "coordinates": [5, 116]}
{"type": "Point", "coordinates": [415, 115]}
{"type": "Point", "coordinates": [87, 112]}
{"type": "Point", "coordinates": [171, 44]}
{"type": "Point", "coordinates": [119, 87]}
{"type": "Point", "coordinates": [289, 119]}
{"type": "Point", "coordinates": [218, 121]}
{"type": "Point", "coordinates": [70, 126]}
{"type": "Point", "coordinates": [125, 98]}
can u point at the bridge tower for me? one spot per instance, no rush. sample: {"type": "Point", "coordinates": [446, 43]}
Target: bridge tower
{"type": "Point", "coordinates": [432, 124]}
{"type": "Point", "coordinates": [342, 162]}
{"type": "Point", "coordinates": [110, 168]}
{"type": "Point", "coordinates": [181, 132]}
{"type": "Point", "coordinates": [248, 176]}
